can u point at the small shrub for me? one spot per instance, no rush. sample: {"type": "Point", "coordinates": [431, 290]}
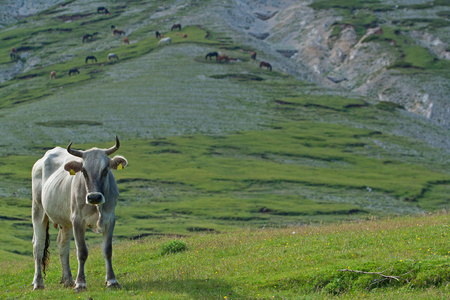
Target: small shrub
{"type": "Point", "coordinates": [174, 246]}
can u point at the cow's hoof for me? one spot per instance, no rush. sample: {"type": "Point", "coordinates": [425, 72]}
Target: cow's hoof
{"type": "Point", "coordinates": [37, 286]}
{"type": "Point", "coordinates": [113, 285]}
{"type": "Point", "coordinates": [68, 282]}
{"type": "Point", "coordinates": [80, 287]}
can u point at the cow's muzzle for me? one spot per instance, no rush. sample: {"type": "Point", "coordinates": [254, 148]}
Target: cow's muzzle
{"type": "Point", "coordinates": [95, 198]}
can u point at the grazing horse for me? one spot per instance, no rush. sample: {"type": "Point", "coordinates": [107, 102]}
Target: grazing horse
{"type": "Point", "coordinates": [166, 40]}
{"type": "Point", "coordinates": [101, 9]}
{"type": "Point", "coordinates": [175, 26]}
{"type": "Point", "coordinates": [126, 41]}
{"type": "Point", "coordinates": [12, 54]}
{"type": "Point", "coordinates": [112, 55]}
{"type": "Point", "coordinates": [52, 75]}
{"type": "Point", "coordinates": [265, 64]}
{"type": "Point", "coordinates": [253, 55]}
{"type": "Point", "coordinates": [87, 37]}
{"type": "Point", "coordinates": [117, 31]}
{"type": "Point", "coordinates": [211, 54]}
{"type": "Point", "coordinates": [222, 57]}
{"type": "Point", "coordinates": [74, 70]}
{"type": "Point", "coordinates": [90, 57]}
{"type": "Point", "coordinates": [158, 35]}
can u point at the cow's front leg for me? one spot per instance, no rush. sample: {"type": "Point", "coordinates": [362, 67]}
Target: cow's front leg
{"type": "Point", "coordinates": [79, 231]}
{"type": "Point", "coordinates": [110, 279]}
{"type": "Point", "coordinates": [64, 249]}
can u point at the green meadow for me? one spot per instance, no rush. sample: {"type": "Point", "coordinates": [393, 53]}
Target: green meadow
{"type": "Point", "coordinates": [272, 183]}
{"type": "Point", "coordinates": [389, 258]}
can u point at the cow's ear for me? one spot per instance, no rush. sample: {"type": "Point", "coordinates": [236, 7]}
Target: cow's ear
{"type": "Point", "coordinates": [118, 163]}
{"type": "Point", "coordinates": [73, 167]}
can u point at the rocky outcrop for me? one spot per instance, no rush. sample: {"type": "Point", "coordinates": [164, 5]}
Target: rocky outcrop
{"type": "Point", "coordinates": [13, 10]}
{"type": "Point", "coordinates": [344, 60]}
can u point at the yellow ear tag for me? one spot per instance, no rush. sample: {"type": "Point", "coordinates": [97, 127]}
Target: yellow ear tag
{"type": "Point", "coordinates": [72, 172]}
{"type": "Point", "coordinates": [119, 167]}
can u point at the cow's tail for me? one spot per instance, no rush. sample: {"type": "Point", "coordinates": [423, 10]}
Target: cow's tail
{"type": "Point", "coordinates": [46, 256]}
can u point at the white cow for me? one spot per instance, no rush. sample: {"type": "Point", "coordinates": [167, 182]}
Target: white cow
{"type": "Point", "coordinates": [166, 40]}
{"type": "Point", "coordinates": [75, 190]}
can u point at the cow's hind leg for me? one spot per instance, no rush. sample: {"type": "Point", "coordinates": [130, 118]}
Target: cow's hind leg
{"type": "Point", "coordinates": [64, 237]}
{"type": "Point", "coordinates": [40, 232]}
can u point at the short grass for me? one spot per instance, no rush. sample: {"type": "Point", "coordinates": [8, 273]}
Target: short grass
{"type": "Point", "coordinates": [307, 262]}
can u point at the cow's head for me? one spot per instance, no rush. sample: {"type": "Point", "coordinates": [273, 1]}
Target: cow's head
{"type": "Point", "coordinates": [96, 168]}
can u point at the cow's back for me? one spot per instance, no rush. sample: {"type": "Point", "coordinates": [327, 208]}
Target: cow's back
{"type": "Point", "coordinates": [51, 184]}
{"type": "Point", "coordinates": [44, 167]}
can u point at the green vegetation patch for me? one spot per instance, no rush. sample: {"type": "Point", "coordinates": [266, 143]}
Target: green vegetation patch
{"type": "Point", "coordinates": [328, 102]}
{"type": "Point", "coordinates": [240, 77]}
{"type": "Point", "coordinates": [69, 123]}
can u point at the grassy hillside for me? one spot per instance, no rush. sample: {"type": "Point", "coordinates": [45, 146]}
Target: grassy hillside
{"type": "Point", "coordinates": [307, 262]}
{"type": "Point", "coordinates": [217, 147]}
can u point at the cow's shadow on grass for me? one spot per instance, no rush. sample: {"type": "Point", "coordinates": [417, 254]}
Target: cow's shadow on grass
{"type": "Point", "coordinates": [196, 288]}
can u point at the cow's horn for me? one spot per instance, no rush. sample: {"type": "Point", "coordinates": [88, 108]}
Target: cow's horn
{"type": "Point", "coordinates": [114, 148]}
{"type": "Point", "coordinates": [74, 152]}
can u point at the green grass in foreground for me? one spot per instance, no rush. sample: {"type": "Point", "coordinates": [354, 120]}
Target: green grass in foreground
{"type": "Point", "coordinates": [293, 263]}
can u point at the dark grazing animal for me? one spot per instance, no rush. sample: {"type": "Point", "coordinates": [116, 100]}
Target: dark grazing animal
{"type": "Point", "coordinates": [253, 55]}
{"type": "Point", "coordinates": [74, 71]}
{"type": "Point", "coordinates": [101, 9]}
{"type": "Point", "coordinates": [90, 57]}
{"type": "Point", "coordinates": [12, 55]}
{"type": "Point", "coordinates": [265, 64]}
{"type": "Point", "coordinates": [211, 54]}
{"type": "Point", "coordinates": [87, 37]}
{"type": "Point", "coordinates": [175, 26]}
{"type": "Point", "coordinates": [75, 190]}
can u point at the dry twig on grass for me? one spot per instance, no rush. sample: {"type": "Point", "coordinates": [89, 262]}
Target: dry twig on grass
{"type": "Point", "coordinates": [377, 273]}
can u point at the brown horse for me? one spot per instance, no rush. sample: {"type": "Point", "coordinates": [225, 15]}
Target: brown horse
{"type": "Point", "coordinates": [265, 64]}
{"type": "Point", "coordinates": [117, 31]}
{"type": "Point", "coordinates": [175, 26]}
{"type": "Point", "coordinates": [52, 75]}
{"type": "Point", "coordinates": [126, 41]}
{"type": "Point", "coordinates": [253, 55]}
{"type": "Point", "coordinates": [222, 57]}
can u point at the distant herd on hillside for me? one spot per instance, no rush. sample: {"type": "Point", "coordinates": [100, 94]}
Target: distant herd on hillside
{"type": "Point", "coordinates": [221, 58]}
